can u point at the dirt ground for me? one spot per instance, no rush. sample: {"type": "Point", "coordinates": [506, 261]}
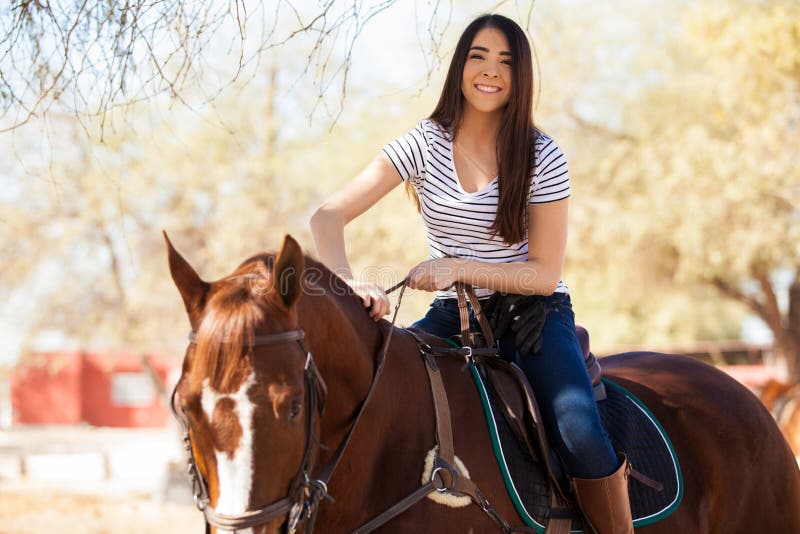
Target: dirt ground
{"type": "Point", "coordinates": [41, 510]}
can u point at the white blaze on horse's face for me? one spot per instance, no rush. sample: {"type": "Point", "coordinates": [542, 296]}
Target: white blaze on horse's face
{"type": "Point", "coordinates": [234, 470]}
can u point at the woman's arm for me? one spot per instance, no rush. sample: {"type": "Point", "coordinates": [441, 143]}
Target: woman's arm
{"type": "Point", "coordinates": [539, 275]}
{"type": "Point", "coordinates": [328, 222]}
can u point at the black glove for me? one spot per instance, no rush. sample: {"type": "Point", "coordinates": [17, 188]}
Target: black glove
{"type": "Point", "coordinates": [524, 314]}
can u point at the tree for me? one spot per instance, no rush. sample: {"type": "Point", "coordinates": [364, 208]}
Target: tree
{"type": "Point", "coordinates": [705, 175]}
{"type": "Point", "coordinates": [88, 58]}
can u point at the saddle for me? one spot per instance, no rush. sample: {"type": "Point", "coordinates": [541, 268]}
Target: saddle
{"type": "Point", "coordinates": [505, 391]}
{"type": "Point", "coordinates": [522, 443]}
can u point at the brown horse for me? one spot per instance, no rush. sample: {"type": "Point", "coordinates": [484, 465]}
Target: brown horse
{"type": "Point", "coordinates": [783, 402]}
{"type": "Point", "coordinates": [252, 399]}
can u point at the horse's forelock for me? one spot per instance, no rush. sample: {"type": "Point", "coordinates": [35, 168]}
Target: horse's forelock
{"type": "Point", "coordinates": [228, 327]}
{"type": "Point", "coordinates": [237, 308]}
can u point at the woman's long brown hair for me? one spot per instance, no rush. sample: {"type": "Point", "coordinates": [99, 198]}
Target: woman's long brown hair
{"type": "Point", "coordinates": [515, 153]}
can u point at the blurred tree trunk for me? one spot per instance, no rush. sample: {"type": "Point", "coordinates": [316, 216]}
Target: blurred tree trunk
{"type": "Point", "coordinates": [790, 340]}
{"type": "Point", "coordinates": [785, 328]}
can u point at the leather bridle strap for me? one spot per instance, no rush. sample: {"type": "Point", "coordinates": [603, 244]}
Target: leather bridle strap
{"type": "Point", "coordinates": [268, 339]}
{"type": "Point", "coordinates": [327, 471]}
{"type": "Point", "coordinates": [302, 486]}
{"type": "Point", "coordinates": [445, 476]}
{"type": "Point", "coordinates": [248, 519]}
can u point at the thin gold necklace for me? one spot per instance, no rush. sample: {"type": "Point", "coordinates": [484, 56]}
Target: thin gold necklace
{"type": "Point", "coordinates": [465, 153]}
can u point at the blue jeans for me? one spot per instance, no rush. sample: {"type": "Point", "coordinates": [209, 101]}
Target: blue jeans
{"type": "Point", "coordinates": [559, 379]}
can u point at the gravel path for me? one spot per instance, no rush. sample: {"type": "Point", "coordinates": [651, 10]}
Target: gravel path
{"type": "Point", "coordinates": [42, 510]}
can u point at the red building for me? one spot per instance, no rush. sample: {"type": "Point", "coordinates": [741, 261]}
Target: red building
{"type": "Point", "coordinates": [101, 389]}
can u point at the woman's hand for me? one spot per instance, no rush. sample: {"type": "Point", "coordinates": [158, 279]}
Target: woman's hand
{"type": "Point", "coordinates": [372, 296]}
{"type": "Point", "coordinates": [433, 275]}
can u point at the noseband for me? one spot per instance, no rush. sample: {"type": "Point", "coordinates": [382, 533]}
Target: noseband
{"type": "Point", "coordinates": [304, 493]}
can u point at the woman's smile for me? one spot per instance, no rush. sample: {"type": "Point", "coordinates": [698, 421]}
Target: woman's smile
{"type": "Point", "coordinates": [483, 88]}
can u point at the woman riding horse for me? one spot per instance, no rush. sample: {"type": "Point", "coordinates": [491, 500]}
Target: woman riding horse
{"type": "Point", "coordinates": [263, 429]}
{"type": "Point", "coordinates": [493, 191]}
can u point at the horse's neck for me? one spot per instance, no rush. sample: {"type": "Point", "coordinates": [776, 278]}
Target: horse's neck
{"type": "Point", "coordinates": [344, 342]}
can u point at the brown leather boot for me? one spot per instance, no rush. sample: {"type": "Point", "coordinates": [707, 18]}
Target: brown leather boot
{"type": "Point", "coordinates": [604, 501]}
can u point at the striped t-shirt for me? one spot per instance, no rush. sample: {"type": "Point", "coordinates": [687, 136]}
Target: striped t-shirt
{"type": "Point", "coordinates": [458, 222]}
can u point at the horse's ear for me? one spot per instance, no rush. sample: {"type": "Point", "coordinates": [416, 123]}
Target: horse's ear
{"type": "Point", "coordinates": [193, 290]}
{"type": "Point", "coordinates": [287, 275]}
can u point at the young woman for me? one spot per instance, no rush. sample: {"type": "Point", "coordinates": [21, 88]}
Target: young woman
{"type": "Point", "coordinates": [493, 192]}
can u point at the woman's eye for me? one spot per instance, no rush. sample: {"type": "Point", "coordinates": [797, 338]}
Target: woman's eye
{"type": "Point", "coordinates": [476, 56]}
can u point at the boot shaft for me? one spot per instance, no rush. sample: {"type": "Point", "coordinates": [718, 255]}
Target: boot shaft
{"type": "Point", "coordinates": [604, 501]}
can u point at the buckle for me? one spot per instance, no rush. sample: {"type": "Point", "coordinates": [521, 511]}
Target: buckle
{"type": "Point", "coordinates": [441, 465]}
{"type": "Point", "coordinates": [467, 353]}
{"type": "Point", "coordinates": [440, 488]}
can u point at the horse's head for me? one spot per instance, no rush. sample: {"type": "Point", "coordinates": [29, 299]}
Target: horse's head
{"type": "Point", "coordinates": [248, 391]}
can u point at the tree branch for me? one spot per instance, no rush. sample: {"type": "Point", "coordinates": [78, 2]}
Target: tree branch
{"type": "Point", "coordinates": [598, 128]}
{"type": "Point", "coordinates": [731, 292]}
{"type": "Point", "coordinates": [793, 316]}
{"type": "Point", "coordinates": [95, 56]}
{"type": "Point", "coordinates": [771, 308]}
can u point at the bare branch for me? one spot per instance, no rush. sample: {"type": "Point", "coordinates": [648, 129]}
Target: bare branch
{"type": "Point", "coordinates": [773, 312]}
{"type": "Point", "coordinates": [90, 58]}
{"type": "Point", "coordinates": [732, 292]}
{"type": "Point", "coordinates": [597, 128]}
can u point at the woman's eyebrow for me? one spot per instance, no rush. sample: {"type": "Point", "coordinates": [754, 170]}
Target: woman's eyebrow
{"type": "Point", "coordinates": [484, 49]}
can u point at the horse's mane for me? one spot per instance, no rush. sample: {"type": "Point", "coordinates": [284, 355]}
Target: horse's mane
{"type": "Point", "coordinates": [230, 319]}
{"type": "Point", "coordinates": [238, 307]}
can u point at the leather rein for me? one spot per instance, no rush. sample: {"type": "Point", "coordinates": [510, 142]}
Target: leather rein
{"type": "Point", "coordinates": [307, 491]}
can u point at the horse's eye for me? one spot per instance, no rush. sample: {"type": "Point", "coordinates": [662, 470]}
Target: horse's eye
{"type": "Point", "coordinates": [297, 407]}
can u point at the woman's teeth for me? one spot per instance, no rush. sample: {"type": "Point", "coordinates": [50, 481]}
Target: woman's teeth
{"type": "Point", "coordinates": [487, 88]}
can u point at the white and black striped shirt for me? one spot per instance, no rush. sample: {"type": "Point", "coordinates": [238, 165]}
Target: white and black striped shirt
{"type": "Point", "coordinates": [459, 222]}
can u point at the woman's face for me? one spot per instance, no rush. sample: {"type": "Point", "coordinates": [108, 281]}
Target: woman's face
{"type": "Point", "coordinates": [486, 80]}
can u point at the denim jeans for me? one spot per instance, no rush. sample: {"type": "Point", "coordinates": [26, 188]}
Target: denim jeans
{"type": "Point", "coordinates": [559, 379]}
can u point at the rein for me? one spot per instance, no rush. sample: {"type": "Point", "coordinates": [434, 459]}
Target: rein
{"type": "Point", "coordinates": [306, 492]}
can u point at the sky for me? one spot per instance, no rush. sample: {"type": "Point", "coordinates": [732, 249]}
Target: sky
{"type": "Point", "coordinates": [388, 65]}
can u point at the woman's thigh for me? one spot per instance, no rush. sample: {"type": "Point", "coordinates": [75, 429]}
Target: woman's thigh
{"type": "Point", "coordinates": [559, 363]}
{"type": "Point", "coordinates": [442, 319]}
{"type": "Point", "coordinates": [558, 377]}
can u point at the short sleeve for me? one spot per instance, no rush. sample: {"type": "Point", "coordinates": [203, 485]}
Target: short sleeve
{"type": "Point", "coordinates": [550, 175]}
{"type": "Point", "coordinates": [407, 154]}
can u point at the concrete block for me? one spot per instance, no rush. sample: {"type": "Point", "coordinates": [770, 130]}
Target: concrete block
{"type": "Point", "coordinates": [10, 466]}
{"type": "Point", "coordinates": [66, 467]}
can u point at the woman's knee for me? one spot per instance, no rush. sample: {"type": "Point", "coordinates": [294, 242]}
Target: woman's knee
{"type": "Point", "coordinates": [578, 423]}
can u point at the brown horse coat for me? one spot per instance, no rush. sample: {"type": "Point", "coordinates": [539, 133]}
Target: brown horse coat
{"type": "Point", "coordinates": [739, 474]}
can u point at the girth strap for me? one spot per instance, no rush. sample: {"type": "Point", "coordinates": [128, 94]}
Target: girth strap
{"type": "Point", "coordinates": [444, 476]}
{"type": "Point", "coordinates": [444, 430]}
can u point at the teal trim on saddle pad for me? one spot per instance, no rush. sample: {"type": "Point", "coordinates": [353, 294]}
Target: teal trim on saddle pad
{"type": "Point", "coordinates": [498, 452]}
{"type": "Point", "coordinates": [642, 521]}
{"type": "Point", "coordinates": [512, 491]}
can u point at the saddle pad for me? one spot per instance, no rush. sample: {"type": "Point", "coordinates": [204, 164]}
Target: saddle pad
{"type": "Point", "coordinates": [632, 429]}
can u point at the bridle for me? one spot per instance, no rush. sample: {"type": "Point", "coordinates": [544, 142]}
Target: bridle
{"type": "Point", "coordinates": [306, 491]}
